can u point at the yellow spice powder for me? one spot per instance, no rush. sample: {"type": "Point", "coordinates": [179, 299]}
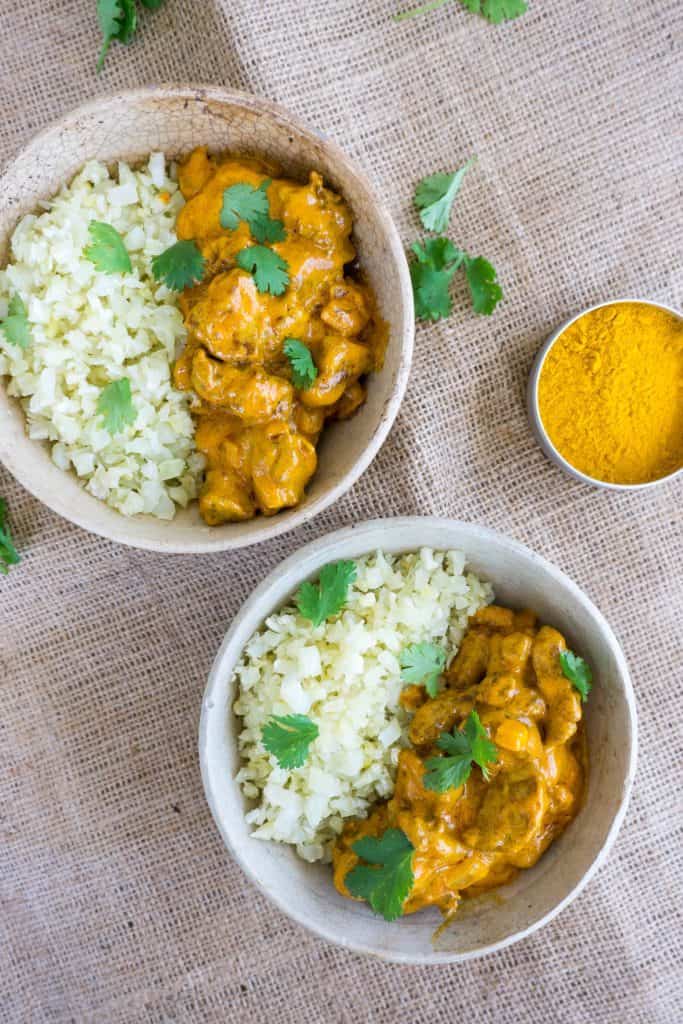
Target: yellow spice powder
{"type": "Point", "coordinates": [611, 393]}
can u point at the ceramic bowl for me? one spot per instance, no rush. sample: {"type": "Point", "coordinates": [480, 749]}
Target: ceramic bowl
{"type": "Point", "coordinates": [537, 424]}
{"type": "Point", "coordinates": [128, 127]}
{"type": "Point", "coordinates": [304, 891]}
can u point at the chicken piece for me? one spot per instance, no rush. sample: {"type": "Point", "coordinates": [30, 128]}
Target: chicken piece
{"type": "Point", "coordinates": [439, 715]}
{"type": "Point", "coordinates": [494, 619]}
{"type": "Point", "coordinates": [469, 665]}
{"type": "Point", "coordinates": [339, 362]}
{"type": "Point", "coordinates": [309, 422]}
{"type": "Point", "coordinates": [282, 463]}
{"type": "Point", "coordinates": [251, 395]}
{"type": "Point", "coordinates": [225, 498]}
{"type": "Point", "coordinates": [228, 318]}
{"type": "Point", "coordinates": [508, 657]}
{"type": "Point", "coordinates": [350, 402]}
{"type": "Point", "coordinates": [563, 700]}
{"type": "Point", "coordinates": [314, 213]}
{"type": "Point", "coordinates": [511, 812]}
{"type": "Point", "coordinates": [195, 171]}
{"type": "Point", "coordinates": [348, 310]}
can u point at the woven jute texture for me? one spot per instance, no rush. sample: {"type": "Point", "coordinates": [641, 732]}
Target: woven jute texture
{"type": "Point", "coordinates": [119, 902]}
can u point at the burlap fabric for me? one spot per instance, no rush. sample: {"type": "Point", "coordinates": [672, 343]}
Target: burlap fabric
{"type": "Point", "coordinates": [119, 902]}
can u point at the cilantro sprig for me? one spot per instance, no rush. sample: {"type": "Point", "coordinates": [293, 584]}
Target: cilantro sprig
{"type": "Point", "coordinates": [304, 370]}
{"type": "Point", "coordinates": [423, 663]}
{"type": "Point", "coordinates": [462, 749]}
{"type": "Point", "coordinates": [578, 672]}
{"type": "Point", "coordinates": [270, 271]}
{"type": "Point", "coordinates": [115, 405]}
{"type": "Point", "coordinates": [386, 879]}
{"type": "Point", "coordinates": [15, 326]}
{"type": "Point", "coordinates": [8, 553]}
{"type": "Point", "coordinates": [433, 270]}
{"type": "Point", "coordinates": [495, 11]}
{"type": "Point", "coordinates": [118, 20]}
{"type": "Point", "coordinates": [107, 250]}
{"type": "Point", "coordinates": [318, 601]}
{"type": "Point", "coordinates": [288, 738]}
{"type": "Point", "coordinates": [179, 266]}
{"type": "Point", "coordinates": [434, 197]}
{"type": "Point", "coordinates": [243, 202]}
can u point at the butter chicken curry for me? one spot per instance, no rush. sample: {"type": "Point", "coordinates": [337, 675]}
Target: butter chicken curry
{"type": "Point", "coordinates": [473, 838]}
{"type": "Point", "coordinates": [257, 429]}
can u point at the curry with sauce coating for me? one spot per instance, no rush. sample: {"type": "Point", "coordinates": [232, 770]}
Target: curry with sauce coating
{"type": "Point", "coordinates": [257, 430]}
{"type": "Point", "coordinates": [476, 837]}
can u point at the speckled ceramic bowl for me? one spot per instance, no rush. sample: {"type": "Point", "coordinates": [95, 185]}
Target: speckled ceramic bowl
{"type": "Point", "coordinates": [174, 119]}
{"type": "Point", "coordinates": [536, 421]}
{"type": "Point", "coordinates": [305, 891]}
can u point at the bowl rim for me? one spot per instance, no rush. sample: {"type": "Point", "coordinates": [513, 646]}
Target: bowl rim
{"type": "Point", "coordinates": [290, 519]}
{"type": "Point", "coordinates": [329, 547]}
{"type": "Point", "coordinates": [534, 413]}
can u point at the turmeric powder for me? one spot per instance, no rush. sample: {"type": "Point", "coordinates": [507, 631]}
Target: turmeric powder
{"type": "Point", "coordinates": [611, 393]}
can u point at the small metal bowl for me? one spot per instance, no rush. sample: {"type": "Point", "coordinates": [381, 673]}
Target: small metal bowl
{"type": "Point", "coordinates": [537, 426]}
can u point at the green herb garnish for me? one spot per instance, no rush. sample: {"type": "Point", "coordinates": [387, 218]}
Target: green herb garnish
{"type": "Point", "coordinates": [434, 197]}
{"type": "Point", "coordinates": [496, 11]}
{"type": "Point", "coordinates": [243, 202]}
{"type": "Point", "coordinates": [270, 271]}
{"type": "Point", "coordinates": [387, 878]}
{"type": "Point", "coordinates": [118, 20]}
{"type": "Point", "coordinates": [15, 326]}
{"type": "Point", "coordinates": [577, 671]}
{"type": "Point", "coordinates": [180, 266]}
{"type": "Point", "coordinates": [8, 553]}
{"type": "Point", "coordinates": [318, 601]}
{"type": "Point", "coordinates": [423, 663]}
{"type": "Point", "coordinates": [288, 738]}
{"type": "Point", "coordinates": [462, 749]}
{"type": "Point", "coordinates": [115, 405]}
{"type": "Point", "coordinates": [304, 369]}
{"type": "Point", "coordinates": [431, 274]}
{"type": "Point", "coordinates": [108, 250]}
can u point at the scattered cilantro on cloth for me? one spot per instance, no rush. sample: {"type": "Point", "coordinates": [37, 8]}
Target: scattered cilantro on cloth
{"type": "Point", "coordinates": [180, 266]}
{"type": "Point", "coordinates": [318, 601]}
{"type": "Point", "coordinates": [423, 663]}
{"type": "Point", "coordinates": [270, 271]}
{"type": "Point", "coordinates": [15, 326]}
{"type": "Point", "coordinates": [462, 750]}
{"type": "Point", "coordinates": [431, 274]}
{"type": "Point", "coordinates": [578, 672]}
{"type": "Point", "coordinates": [115, 405]}
{"type": "Point", "coordinates": [434, 197]}
{"type": "Point", "coordinates": [108, 250]}
{"type": "Point", "coordinates": [495, 11]}
{"type": "Point", "coordinates": [8, 553]}
{"type": "Point", "coordinates": [117, 20]}
{"type": "Point", "coordinates": [288, 738]}
{"type": "Point", "coordinates": [386, 879]}
{"type": "Point", "coordinates": [304, 369]}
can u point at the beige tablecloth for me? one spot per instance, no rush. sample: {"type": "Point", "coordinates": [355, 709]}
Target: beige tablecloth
{"type": "Point", "coordinates": [119, 902]}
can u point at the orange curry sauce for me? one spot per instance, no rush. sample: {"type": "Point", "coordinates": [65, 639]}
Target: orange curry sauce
{"type": "Point", "coordinates": [474, 838]}
{"type": "Point", "coordinates": [258, 432]}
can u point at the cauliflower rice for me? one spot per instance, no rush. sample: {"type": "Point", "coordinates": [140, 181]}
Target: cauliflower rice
{"type": "Point", "coordinates": [91, 328]}
{"type": "Point", "coordinates": [345, 675]}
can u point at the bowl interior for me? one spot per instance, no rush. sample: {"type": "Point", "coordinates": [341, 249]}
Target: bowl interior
{"type": "Point", "coordinates": [305, 892]}
{"type": "Point", "coordinates": [130, 126]}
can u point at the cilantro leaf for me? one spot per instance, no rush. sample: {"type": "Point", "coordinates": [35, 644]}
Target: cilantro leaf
{"type": "Point", "coordinates": [484, 288]}
{"type": "Point", "coordinates": [387, 883]}
{"type": "Point", "coordinates": [288, 738]}
{"type": "Point", "coordinates": [115, 405]}
{"type": "Point", "coordinates": [431, 275]}
{"type": "Point", "coordinates": [462, 748]}
{"type": "Point", "coordinates": [265, 229]}
{"type": "Point", "coordinates": [423, 663]}
{"type": "Point", "coordinates": [108, 250]}
{"type": "Point", "coordinates": [496, 11]}
{"type": "Point", "coordinates": [304, 370]}
{"type": "Point", "coordinates": [179, 266]}
{"type": "Point", "coordinates": [244, 202]}
{"type": "Point", "coordinates": [117, 20]}
{"type": "Point", "coordinates": [578, 672]}
{"type": "Point", "coordinates": [318, 601]}
{"type": "Point", "coordinates": [8, 553]}
{"type": "Point", "coordinates": [434, 197]}
{"type": "Point", "coordinates": [15, 326]}
{"type": "Point", "coordinates": [270, 271]}
{"type": "Point", "coordinates": [153, 5]}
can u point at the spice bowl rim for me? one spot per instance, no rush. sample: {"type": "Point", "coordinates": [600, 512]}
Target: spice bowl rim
{"type": "Point", "coordinates": [538, 427]}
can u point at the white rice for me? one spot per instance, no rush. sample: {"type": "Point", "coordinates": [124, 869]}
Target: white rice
{"type": "Point", "coordinates": [91, 328]}
{"type": "Point", "coordinates": [345, 675]}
